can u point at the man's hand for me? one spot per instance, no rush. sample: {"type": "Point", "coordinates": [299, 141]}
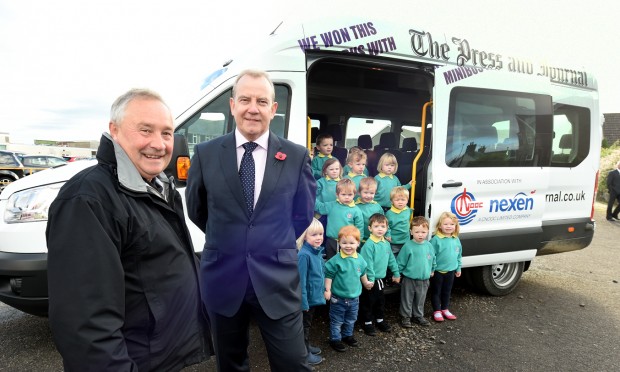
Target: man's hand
{"type": "Point", "coordinates": [396, 280]}
{"type": "Point", "coordinates": [327, 294]}
{"type": "Point", "coordinates": [458, 274]}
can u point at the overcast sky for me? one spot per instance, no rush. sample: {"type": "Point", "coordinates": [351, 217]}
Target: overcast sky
{"type": "Point", "coordinates": [63, 62]}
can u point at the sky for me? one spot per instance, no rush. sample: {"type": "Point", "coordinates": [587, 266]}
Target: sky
{"type": "Point", "coordinates": [63, 62]}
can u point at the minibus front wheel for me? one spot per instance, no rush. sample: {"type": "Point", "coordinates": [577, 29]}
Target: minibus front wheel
{"type": "Point", "coordinates": [498, 279]}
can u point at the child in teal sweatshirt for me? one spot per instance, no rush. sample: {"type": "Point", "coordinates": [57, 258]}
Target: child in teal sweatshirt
{"type": "Point", "coordinates": [341, 212]}
{"type": "Point", "coordinates": [357, 162]}
{"type": "Point", "coordinates": [325, 145]}
{"type": "Point", "coordinates": [415, 262]}
{"type": "Point", "coordinates": [366, 204]}
{"type": "Point", "coordinates": [398, 217]}
{"type": "Point", "coordinates": [347, 168]}
{"type": "Point", "coordinates": [379, 257]}
{"type": "Point", "coordinates": [387, 180]}
{"type": "Point", "coordinates": [448, 253]}
{"type": "Point", "coordinates": [326, 186]}
{"type": "Point", "coordinates": [343, 274]}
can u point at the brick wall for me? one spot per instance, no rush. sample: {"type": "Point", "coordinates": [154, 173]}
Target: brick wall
{"type": "Point", "coordinates": [611, 128]}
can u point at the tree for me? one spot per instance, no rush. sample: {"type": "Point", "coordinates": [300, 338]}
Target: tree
{"type": "Point", "coordinates": [605, 144]}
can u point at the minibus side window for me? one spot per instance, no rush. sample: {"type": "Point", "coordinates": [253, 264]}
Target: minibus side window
{"type": "Point", "coordinates": [211, 122]}
{"type": "Point", "coordinates": [571, 127]}
{"type": "Point", "coordinates": [279, 122]}
{"type": "Point", "coordinates": [493, 128]}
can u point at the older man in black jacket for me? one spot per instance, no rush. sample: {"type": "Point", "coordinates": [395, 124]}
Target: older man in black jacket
{"type": "Point", "coordinates": [123, 278]}
{"type": "Point", "coordinates": [613, 185]}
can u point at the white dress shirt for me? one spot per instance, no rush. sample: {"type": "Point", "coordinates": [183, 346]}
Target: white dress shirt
{"type": "Point", "coordinates": [260, 158]}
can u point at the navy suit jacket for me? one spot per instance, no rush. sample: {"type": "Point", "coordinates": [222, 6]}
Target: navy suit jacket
{"type": "Point", "coordinates": [262, 247]}
{"type": "Point", "coordinates": [613, 182]}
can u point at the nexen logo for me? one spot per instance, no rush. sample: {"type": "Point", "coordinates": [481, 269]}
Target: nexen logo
{"type": "Point", "coordinates": [519, 203]}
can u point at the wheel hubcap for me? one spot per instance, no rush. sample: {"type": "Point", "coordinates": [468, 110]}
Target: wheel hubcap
{"type": "Point", "coordinates": [504, 274]}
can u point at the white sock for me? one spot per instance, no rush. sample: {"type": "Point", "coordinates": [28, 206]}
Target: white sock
{"type": "Point", "coordinates": [379, 320]}
{"type": "Point", "coordinates": [367, 323]}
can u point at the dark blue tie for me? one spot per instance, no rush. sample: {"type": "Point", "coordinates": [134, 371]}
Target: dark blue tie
{"type": "Point", "coordinates": [246, 174]}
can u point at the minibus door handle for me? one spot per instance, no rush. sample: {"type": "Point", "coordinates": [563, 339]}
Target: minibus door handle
{"type": "Point", "coordinates": [451, 183]}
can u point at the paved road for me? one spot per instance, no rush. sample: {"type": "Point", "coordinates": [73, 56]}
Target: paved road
{"type": "Point", "coordinates": [564, 316]}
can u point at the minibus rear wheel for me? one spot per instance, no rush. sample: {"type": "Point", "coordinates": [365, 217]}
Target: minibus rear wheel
{"type": "Point", "coordinates": [497, 280]}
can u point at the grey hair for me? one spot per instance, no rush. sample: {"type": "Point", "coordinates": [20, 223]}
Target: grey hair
{"type": "Point", "coordinates": [255, 74]}
{"type": "Point", "coordinates": [117, 111]}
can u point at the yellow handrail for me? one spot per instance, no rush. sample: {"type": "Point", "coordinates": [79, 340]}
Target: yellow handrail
{"type": "Point", "coordinates": [309, 145]}
{"type": "Point", "coordinates": [415, 161]}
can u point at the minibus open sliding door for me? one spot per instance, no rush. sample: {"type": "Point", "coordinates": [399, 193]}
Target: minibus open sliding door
{"type": "Point", "coordinates": [492, 136]}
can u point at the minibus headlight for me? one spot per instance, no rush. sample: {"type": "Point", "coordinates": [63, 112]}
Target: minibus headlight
{"type": "Point", "coordinates": [32, 204]}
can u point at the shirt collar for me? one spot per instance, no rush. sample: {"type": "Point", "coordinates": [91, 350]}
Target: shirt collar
{"type": "Point", "coordinates": [352, 175]}
{"type": "Point", "coordinates": [344, 255]}
{"type": "Point", "coordinates": [383, 175]}
{"type": "Point", "coordinates": [442, 236]}
{"type": "Point", "coordinates": [397, 211]}
{"type": "Point", "coordinates": [359, 201]}
{"type": "Point", "coordinates": [375, 239]}
{"type": "Point", "coordinates": [325, 156]}
{"type": "Point", "coordinates": [262, 141]}
{"type": "Point", "coordinates": [351, 204]}
{"type": "Point", "coordinates": [329, 178]}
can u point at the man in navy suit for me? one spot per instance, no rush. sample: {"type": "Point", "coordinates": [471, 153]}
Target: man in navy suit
{"type": "Point", "coordinates": [252, 193]}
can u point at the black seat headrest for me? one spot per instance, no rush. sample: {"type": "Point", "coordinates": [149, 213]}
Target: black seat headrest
{"type": "Point", "coordinates": [335, 131]}
{"type": "Point", "coordinates": [364, 141]}
{"type": "Point", "coordinates": [387, 141]}
{"type": "Point", "coordinates": [314, 133]}
{"type": "Point", "coordinates": [566, 141]}
{"type": "Point", "coordinates": [410, 144]}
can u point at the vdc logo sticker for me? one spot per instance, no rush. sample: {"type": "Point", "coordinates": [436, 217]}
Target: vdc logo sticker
{"type": "Point", "coordinates": [465, 207]}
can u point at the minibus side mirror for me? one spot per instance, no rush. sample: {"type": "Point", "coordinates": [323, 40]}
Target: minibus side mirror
{"type": "Point", "coordinates": [179, 163]}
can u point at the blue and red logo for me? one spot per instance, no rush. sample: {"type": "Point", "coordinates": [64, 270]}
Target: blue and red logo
{"type": "Point", "coordinates": [465, 207]}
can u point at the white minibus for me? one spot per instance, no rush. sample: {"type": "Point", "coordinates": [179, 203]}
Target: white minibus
{"type": "Point", "coordinates": [509, 144]}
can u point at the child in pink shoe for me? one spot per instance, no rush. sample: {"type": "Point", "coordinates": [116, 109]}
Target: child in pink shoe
{"type": "Point", "coordinates": [448, 252]}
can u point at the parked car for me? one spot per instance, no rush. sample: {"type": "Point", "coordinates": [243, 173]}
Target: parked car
{"type": "Point", "coordinates": [71, 159]}
{"type": "Point", "coordinates": [40, 162]}
{"type": "Point", "coordinates": [11, 169]}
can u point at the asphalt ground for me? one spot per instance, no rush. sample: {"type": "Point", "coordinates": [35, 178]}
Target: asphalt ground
{"type": "Point", "coordinates": [563, 316]}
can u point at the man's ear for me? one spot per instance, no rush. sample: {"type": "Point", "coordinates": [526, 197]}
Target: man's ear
{"type": "Point", "coordinates": [113, 130]}
{"type": "Point", "coordinates": [274, 108]}
{"type": "Point", "coordinates": [232, 106]}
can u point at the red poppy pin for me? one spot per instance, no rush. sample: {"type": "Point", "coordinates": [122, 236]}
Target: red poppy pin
{"type": "Point", "coordinates": [279, 156]}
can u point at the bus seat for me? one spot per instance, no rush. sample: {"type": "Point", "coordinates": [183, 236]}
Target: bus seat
{"type": "Point", "coordinates": [314, 133]}
{"type": "Point", "coordinates": [277, 126]}
{"type": "Point", "coordinates": [340, 153]}
{"type": "Point", "coordinates": [365, 142]}
{"type": "Point", "coordinates": [566, 142]}
{"type": "Point", "coordinates": [387, 143]}
{"type": "Point", "coordinates": [409, 150]}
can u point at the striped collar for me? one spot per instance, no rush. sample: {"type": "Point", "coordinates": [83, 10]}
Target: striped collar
{"type": "Point", "coordinates": [344, 255]}
{"type": "Point", "coordinates": [397, 211]}
{"type": "Point", "coordinates": [359, 201]}
{"type": "Point", "coordinates": [376, 239]}
{"type": "Point", "coordinates": [351, 204]}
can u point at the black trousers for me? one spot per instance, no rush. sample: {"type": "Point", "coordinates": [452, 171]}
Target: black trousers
{"type": "Point", "coordinates": [284, 338]}
{"type": "Point", "coordinates": [612, 198]}
{"type": "Point", "coordinates": [331, 248]}
{"type": "Point", "coordinates": [441, 287]}
{"type": "Point", "coordinates": [307, 315]}
{"type": "Point", "coordinates": [372, 303]}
